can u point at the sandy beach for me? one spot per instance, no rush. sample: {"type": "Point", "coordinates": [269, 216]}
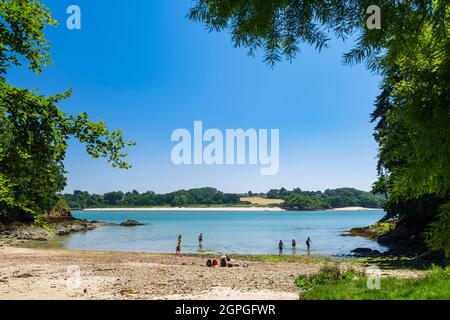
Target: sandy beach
{"type": "Point", "coordinates": [236, 209]}
{"type": "Point", "coordinates": [246, 209]}
{"type": "Point", "coordinates": [43, 274]}
{"type": "Point", "coordinates": [354, 209]}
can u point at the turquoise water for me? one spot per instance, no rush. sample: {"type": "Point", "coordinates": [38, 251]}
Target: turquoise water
{"type": "Point", "coordinates": [226, 232]}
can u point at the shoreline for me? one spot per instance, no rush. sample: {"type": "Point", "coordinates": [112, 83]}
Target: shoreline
{"type": "Point", "coordinates": [226, 209]}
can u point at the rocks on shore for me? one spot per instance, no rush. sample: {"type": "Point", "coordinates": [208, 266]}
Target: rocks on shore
{"type": "Point", "coordinates": [131, 223]}
{"type": "Point", "coordinates": [22, 231]}
{"type": "Point", "coordinates": [78, 227]}
{"type": "Point", "coordinates": [37, 235]}
{"type": "Point", "coordinates": [366, 252]}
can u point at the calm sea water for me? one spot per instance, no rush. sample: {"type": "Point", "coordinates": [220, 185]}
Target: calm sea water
{"type": "Point", "coordinates": [226, 232]}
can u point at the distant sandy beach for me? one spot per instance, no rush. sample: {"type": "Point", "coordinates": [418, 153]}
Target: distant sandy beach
{"type": "Point", "coordinates": [354, 209]}
{"type": "Point", "coordinates": [190, 209]}
{"type": "Point", "coordinates": [236, 209]}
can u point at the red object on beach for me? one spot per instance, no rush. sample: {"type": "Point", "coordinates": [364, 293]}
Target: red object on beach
{"type": "Point", "coordinates": [215, 262]}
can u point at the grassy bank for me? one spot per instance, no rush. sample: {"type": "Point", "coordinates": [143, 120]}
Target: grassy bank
{"type": "Point", "coordinates": [329, 285]}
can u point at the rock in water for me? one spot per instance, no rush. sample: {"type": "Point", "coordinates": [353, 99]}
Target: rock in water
{"type": "Point", "coordinates": [131, 223]}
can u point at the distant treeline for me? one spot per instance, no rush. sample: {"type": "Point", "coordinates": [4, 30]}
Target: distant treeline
{"type": "Point", "coordinates": [181, 198]}
{"type": "Point", "coordinates": [330, 198]}
{"type": "Point", "coordinates": [293, 200]}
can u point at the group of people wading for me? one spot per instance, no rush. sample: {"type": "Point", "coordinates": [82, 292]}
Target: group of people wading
{"type": "Point", "coordinates": [180, 243]}
{"type": "Point", "coordinates": [281, 246]}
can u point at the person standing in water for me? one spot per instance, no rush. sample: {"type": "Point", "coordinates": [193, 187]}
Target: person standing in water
{"type": "Point", "coordinates": [294, 247]}
{"type": "Point", "coordinates": [179, 244]}
{"type": "Point", "coordinates": [308, 244]}
{"type": "Point", "coordinates": [200, 240]}
{"type": "Point", "coordinates": [281, 247]}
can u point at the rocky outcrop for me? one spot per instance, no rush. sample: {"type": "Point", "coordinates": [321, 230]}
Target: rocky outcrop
{"type": "Point", "coordinates": [22, 231]}
{"type": "Point", "coordinates": [28, 234]}
{"type": "Point", "coordinates": [60, 212]}
{"type": "Point", "coordinates": [375, 231]}
{"type": "Point", "coordinates": [64, 229]}
{"type": "Point", "coordinates": [131, 223]}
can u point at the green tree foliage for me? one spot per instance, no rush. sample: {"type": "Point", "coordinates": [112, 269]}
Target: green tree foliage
{"type": "Point", "coordinates": [21, 34]}
{"type": "Point", "coordinates": [410, 52]}
{"type": "Point", "coordinates": [180, 198]}
{"type": "Point", "coordinates": [294, 200]}
{"type": "Point", "coordinates": [279, 27]}
{"type": "Point", "coordinates": [413, 129]}
{"type": "Point", "coordinates": [34, 132]}
{"type": "Point", "coordinates": [438, 236]}
{"type": "Point", "coordinates": [330, 198]}
{"type": "Point", "coordinates": [300, 202]}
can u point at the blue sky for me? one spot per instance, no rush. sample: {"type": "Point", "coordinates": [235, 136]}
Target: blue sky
{"type": "Point", "coordinates": [143, 67]}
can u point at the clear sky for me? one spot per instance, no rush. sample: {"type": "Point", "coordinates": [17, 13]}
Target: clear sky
{"type": "Point", "coordinates": [143, 67]}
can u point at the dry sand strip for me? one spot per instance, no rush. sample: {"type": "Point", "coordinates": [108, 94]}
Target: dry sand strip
{"type": "Point", "coordinates": [228, 209]}
{"type": "Point", "coordinates": [224, 209]}
{"type": "Point", "coordinates": [43, 274]}
{"type": "Point", "coordinates": [221, 293]}
{"type": "Point", "coordinates": [355, 209]}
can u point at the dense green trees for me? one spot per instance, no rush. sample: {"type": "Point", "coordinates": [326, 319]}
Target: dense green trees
{"type": "Point", "coordinates": [180, 198]}
{"type": "Point", "coordinates": [411, 52]}
{"type": "Point", "coordinates": [33, 131]}
{"type": "Point", "coordinates": [330, 198]}
{"type": "Point", "coordinates": [413, 129]}
{"type": "Point", "coordinates": [301, 202]}
{"type": "Point", "coordinates": [294, 200]}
